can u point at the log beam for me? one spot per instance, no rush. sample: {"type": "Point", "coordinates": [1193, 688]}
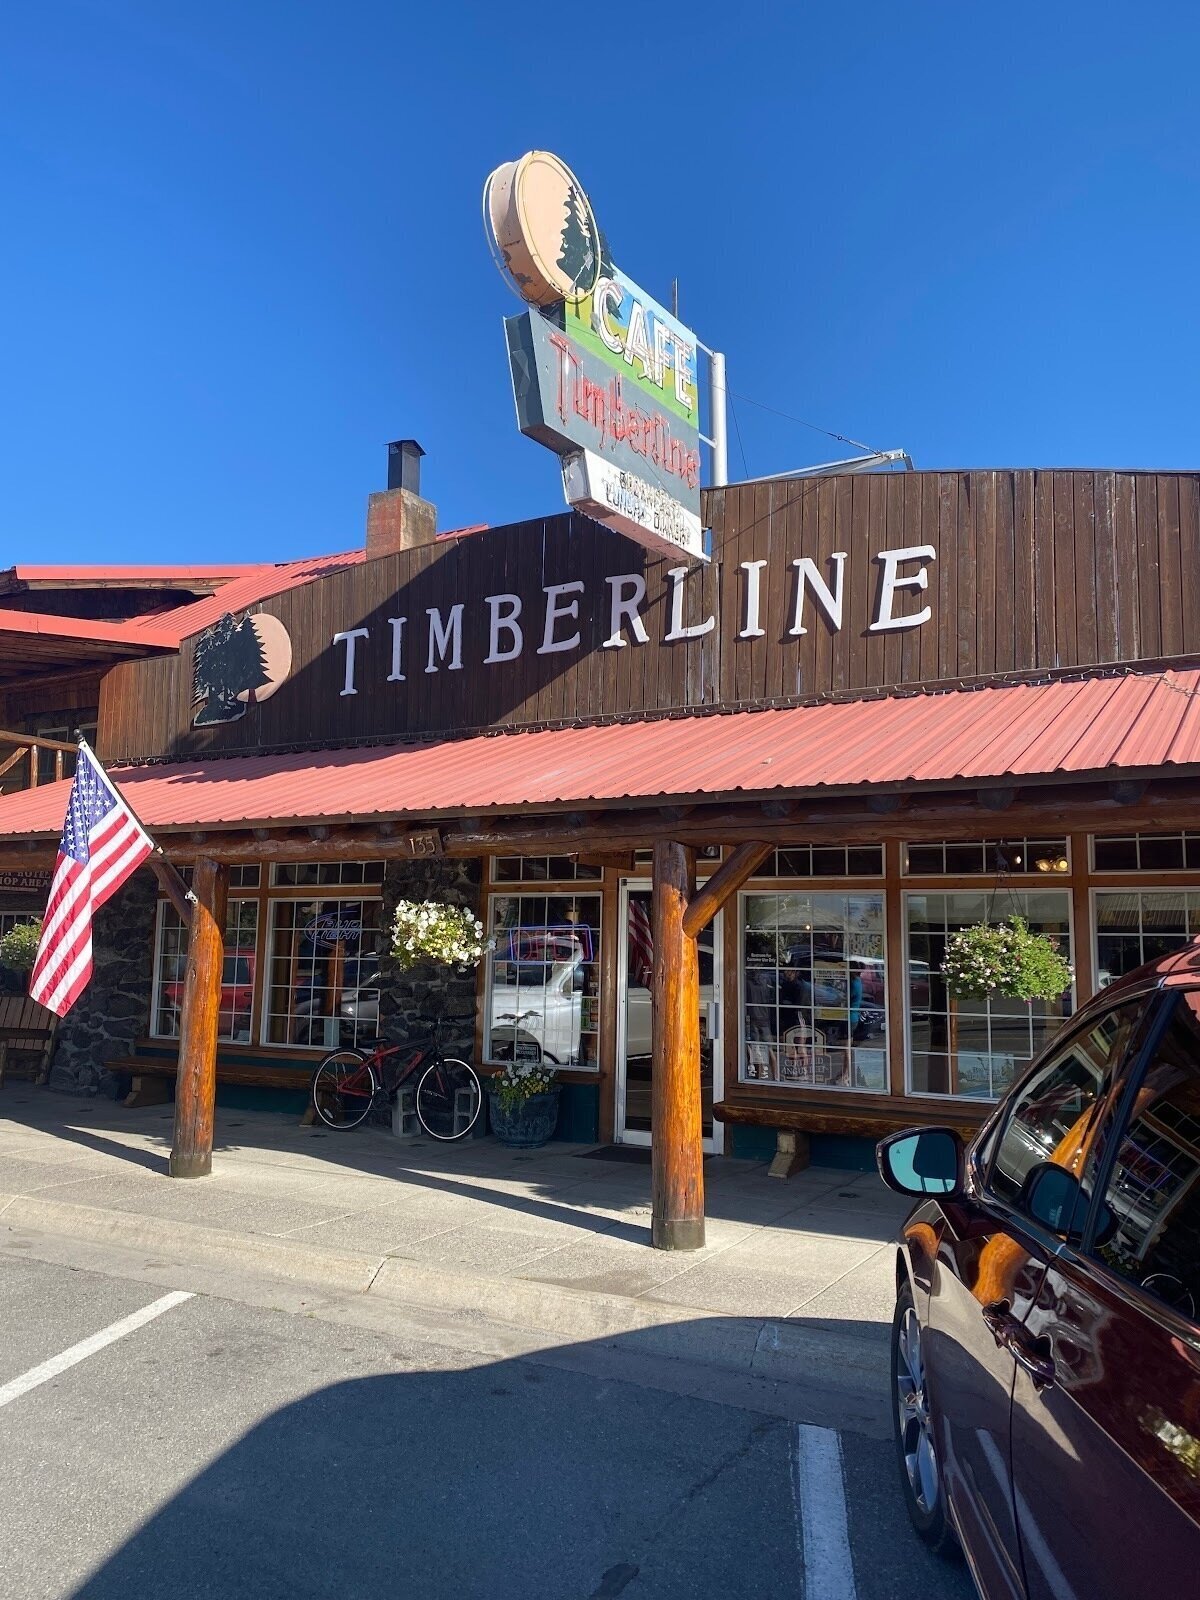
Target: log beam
{"type": "Point", "coordinates": [677, 1161]}
{"type": "Point", "coordinates": [196, 1082]}
{"type": "Point", "coordinates": [1086, 807]}
{"type": "Point", "coordinates": [725, 881]}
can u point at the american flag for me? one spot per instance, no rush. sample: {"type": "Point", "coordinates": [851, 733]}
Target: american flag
{"type": "Point", "coordinates": [641, 944]}
{"type": "Point", "coordinates": [102, 843]}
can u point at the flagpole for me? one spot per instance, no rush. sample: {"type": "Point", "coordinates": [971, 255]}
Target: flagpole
{"type": "Point", "coordinates": [169, 877]}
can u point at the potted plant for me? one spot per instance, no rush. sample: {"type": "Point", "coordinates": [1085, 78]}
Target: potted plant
{"type": "Point", "coordinates": [1004, 958]}
{"type": "Point", "coordinates": [19, 946]}
{"type": "Point", "coordinates": [523, 1102]}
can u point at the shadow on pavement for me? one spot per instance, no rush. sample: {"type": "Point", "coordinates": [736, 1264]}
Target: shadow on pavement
{"type": "Point", "coordinates": [544, 1479]}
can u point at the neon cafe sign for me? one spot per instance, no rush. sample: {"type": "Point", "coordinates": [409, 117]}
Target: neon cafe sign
{"type": "Point", "coordinates": [602, 374]}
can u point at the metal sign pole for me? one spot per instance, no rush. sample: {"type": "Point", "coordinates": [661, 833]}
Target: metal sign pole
{"type": "Point", "coordinates": [720, 448]}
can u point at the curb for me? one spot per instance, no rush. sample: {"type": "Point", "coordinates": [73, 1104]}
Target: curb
{"type": "Point", "coordinates": [347, 1270]}
{"type": "Point", "coordinates": [778, 1350]}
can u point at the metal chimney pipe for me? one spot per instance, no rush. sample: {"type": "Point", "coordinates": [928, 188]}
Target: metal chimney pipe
{"type": "Point", "coordinates": [404, 465]}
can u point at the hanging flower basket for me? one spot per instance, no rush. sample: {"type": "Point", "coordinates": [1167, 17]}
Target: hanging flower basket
{"type": "Point", "coordinates": [1004, 958]}
{"type": "Point", "coordinates": [423, 930]}
{"type": "Point", "coordinates": [19, 946]}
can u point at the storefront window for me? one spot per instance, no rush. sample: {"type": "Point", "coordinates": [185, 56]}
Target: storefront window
{"type": "Point", "coordinates": [988, 858]}
{"type": "Point", "coordinates": [325, 874]}
{"type": "Point", "coordinates": [543, 869]}
{"type": "Point", "coordinates": [814, 991]}
{"type": "Point", "coordinates": [544, 979]}
{"type": "Point", "coordinates": [237, 974]}
{"type": "Point", "coordinates": [824, 861]}
{"type": "Point", "coordinates": [324, 972]}
{"type": "Point", "coordinates": [1146, 852]}
{"type": "Point", "coordinates": [975, 1048]}
{"type": "Point", "coordinates": [1133, 926]}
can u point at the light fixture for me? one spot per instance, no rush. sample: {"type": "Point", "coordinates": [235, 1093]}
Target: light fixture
{"type": "Point", "coordinates": [1052, 864]}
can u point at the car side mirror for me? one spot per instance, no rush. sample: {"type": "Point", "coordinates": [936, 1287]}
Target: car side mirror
{"type": "Point", "coordinates": [1054, 1196]}
{"type": "Point", "coordinates": [922, 1161]}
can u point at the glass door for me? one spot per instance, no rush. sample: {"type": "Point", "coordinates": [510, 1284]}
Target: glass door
{"type": "Point", "coordinates": [634, 1073]}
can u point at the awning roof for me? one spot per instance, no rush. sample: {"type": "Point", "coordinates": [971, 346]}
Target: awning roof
{"type": "Point", "coordinates": [1008, 733]}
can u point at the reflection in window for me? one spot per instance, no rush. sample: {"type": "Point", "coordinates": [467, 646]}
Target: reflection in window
{"type": "Point", "coordinates": [1154, 1191]}
{"type": "Point", "coordinates": [324, 972]}
{"type": "Point", "coordinates": [1133, 926]}
{"type": "Point", "coordinates": [544, 979]}
{"type": "Point", "coordinates": [975, 1048]}
{"type": "Point", "coordinates": [1055, 1115]}
{"type": "Point", "coordinates": [237, 973]}
{"type": "Point", "coordinates": [814, 990]}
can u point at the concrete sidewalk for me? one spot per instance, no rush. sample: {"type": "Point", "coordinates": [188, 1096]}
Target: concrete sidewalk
{"type": "Point", "coordinates": [554, 1241]}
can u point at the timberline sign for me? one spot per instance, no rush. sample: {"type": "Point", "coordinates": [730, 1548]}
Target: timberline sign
{"type": "Point", "coordinates": [556, 625]}
{"type": "Point", "coordinates": [601, 373]}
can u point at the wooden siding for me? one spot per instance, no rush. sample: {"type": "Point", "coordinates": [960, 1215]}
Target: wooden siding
{"type": "Point", "coordinates": [1034, 570]}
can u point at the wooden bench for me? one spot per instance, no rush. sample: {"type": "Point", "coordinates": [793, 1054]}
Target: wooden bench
{"type": "Point", "coordinates": [153, 1076]}
{"type": "Point", "coordinates": [793, 1123]}
{"type": "Point", "coordinates": [27, 1030]}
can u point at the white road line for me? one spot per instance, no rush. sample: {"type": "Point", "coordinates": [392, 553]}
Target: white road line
{"type": "Point", "coordinates": [822, 1532]}
{"type": "Point", "coordinates": [88, 1347]}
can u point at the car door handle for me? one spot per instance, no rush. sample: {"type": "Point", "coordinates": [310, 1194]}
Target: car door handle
{"type": "Point", "coordinates": [1009, 1333]}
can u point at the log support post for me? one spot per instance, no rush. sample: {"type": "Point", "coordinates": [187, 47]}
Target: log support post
{"type": "Point", "coordinates": [677, 1158]}
{"type": "Point", "coordinates": [196, 1084]}
{"type": "Point", "coordinates": [676, 1119]}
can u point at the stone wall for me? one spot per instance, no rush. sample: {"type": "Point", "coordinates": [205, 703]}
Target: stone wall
{"type": "Point", "coordinates": [113, 1012]}
{"type": "Point", "coordinates": [407, 998]}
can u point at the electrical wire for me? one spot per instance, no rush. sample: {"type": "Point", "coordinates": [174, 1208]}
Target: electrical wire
{"type": "Point", "coordinates": [737, 428]}
{"type": "Point", "coordinates": [842, 438]}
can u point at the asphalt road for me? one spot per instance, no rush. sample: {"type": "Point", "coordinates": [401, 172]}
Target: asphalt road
{"type": "Point", "coordinates": [221, 1449]}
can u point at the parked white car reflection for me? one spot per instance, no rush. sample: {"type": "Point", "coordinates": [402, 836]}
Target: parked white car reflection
{"type": "Point", "coordinates": [539, 1015]}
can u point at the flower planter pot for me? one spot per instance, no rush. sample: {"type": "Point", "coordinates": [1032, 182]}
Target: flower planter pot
{"type": "Point", "coordinates": [527, 1125]}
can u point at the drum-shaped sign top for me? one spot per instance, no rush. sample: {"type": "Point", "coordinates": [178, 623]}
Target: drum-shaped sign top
{"type": "Point", "coordinates": [543, 228]}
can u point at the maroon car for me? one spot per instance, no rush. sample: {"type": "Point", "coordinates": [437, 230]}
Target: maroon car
{"type": "Point", "coordinates": [1046, 1343]}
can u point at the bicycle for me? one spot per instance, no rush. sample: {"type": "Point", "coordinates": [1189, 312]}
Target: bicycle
{"type": "Point", "coordinates": [349, 1083]}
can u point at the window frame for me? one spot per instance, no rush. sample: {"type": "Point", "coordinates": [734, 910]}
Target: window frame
{"type": "Point", "coordinates": [1163, 1005]}
{"type": "Point", "coordinates": [1057, 883]}
{"type": "Point", "coordinates": [1139, 888]}
{"type": "Point", "coordinates": [293, 894]}
{"type": "Point", "coordinates": [160, 915]}
{"type": "Point", "coordinates": [778, 886]}
{"type": "Point", "coordinates": [1066, 1041]}
{"type": "Point", "coordinates": [557, 889]}
{"type": "Point", "coordinates": [987, 874]}
{"type": "Point", "coordinates": [1137, 835]}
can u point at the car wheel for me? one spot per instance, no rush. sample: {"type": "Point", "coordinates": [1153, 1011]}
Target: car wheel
{"type": "Point", "coordinates": [916, 1440]}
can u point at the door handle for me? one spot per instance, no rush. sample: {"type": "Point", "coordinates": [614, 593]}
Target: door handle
{"type": "Point", "coordinates": [1010, 1334]}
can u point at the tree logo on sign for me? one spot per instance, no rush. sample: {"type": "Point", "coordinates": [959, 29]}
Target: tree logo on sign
{"type": "Point", "coordinates": [238, 664]}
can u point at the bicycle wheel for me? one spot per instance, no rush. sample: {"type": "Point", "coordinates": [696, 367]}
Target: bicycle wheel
{"type": "Point", "coordinates": [344, 1089]}
{"type": "Point", "coordinates": [448, 1099]}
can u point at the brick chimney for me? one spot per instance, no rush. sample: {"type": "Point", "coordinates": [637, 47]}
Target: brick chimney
{"type": "Point", "coordinates": [398, 518]}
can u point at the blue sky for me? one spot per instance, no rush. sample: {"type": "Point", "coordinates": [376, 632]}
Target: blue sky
{"type": "Point", "coordinates": [242, 245]}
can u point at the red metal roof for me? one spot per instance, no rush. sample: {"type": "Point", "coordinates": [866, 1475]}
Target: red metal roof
{"type": "Point", "coordinates": [46, 625]}
{"type": "Point", "coordinates": [256, 583]}
{"type": "Point", "coordinates": [1096, 725]}
{"type": "Point", "coordinates": [24, 573]}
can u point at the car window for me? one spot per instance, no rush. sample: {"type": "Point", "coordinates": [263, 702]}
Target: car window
{"type": "Point", "coordinates": [1151, 1231]}
{"type": "Point", "coordinates": [1057, 1114]}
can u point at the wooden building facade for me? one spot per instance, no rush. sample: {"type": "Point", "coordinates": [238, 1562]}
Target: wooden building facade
{"type": "Point", "coordinates": [718, 819]}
